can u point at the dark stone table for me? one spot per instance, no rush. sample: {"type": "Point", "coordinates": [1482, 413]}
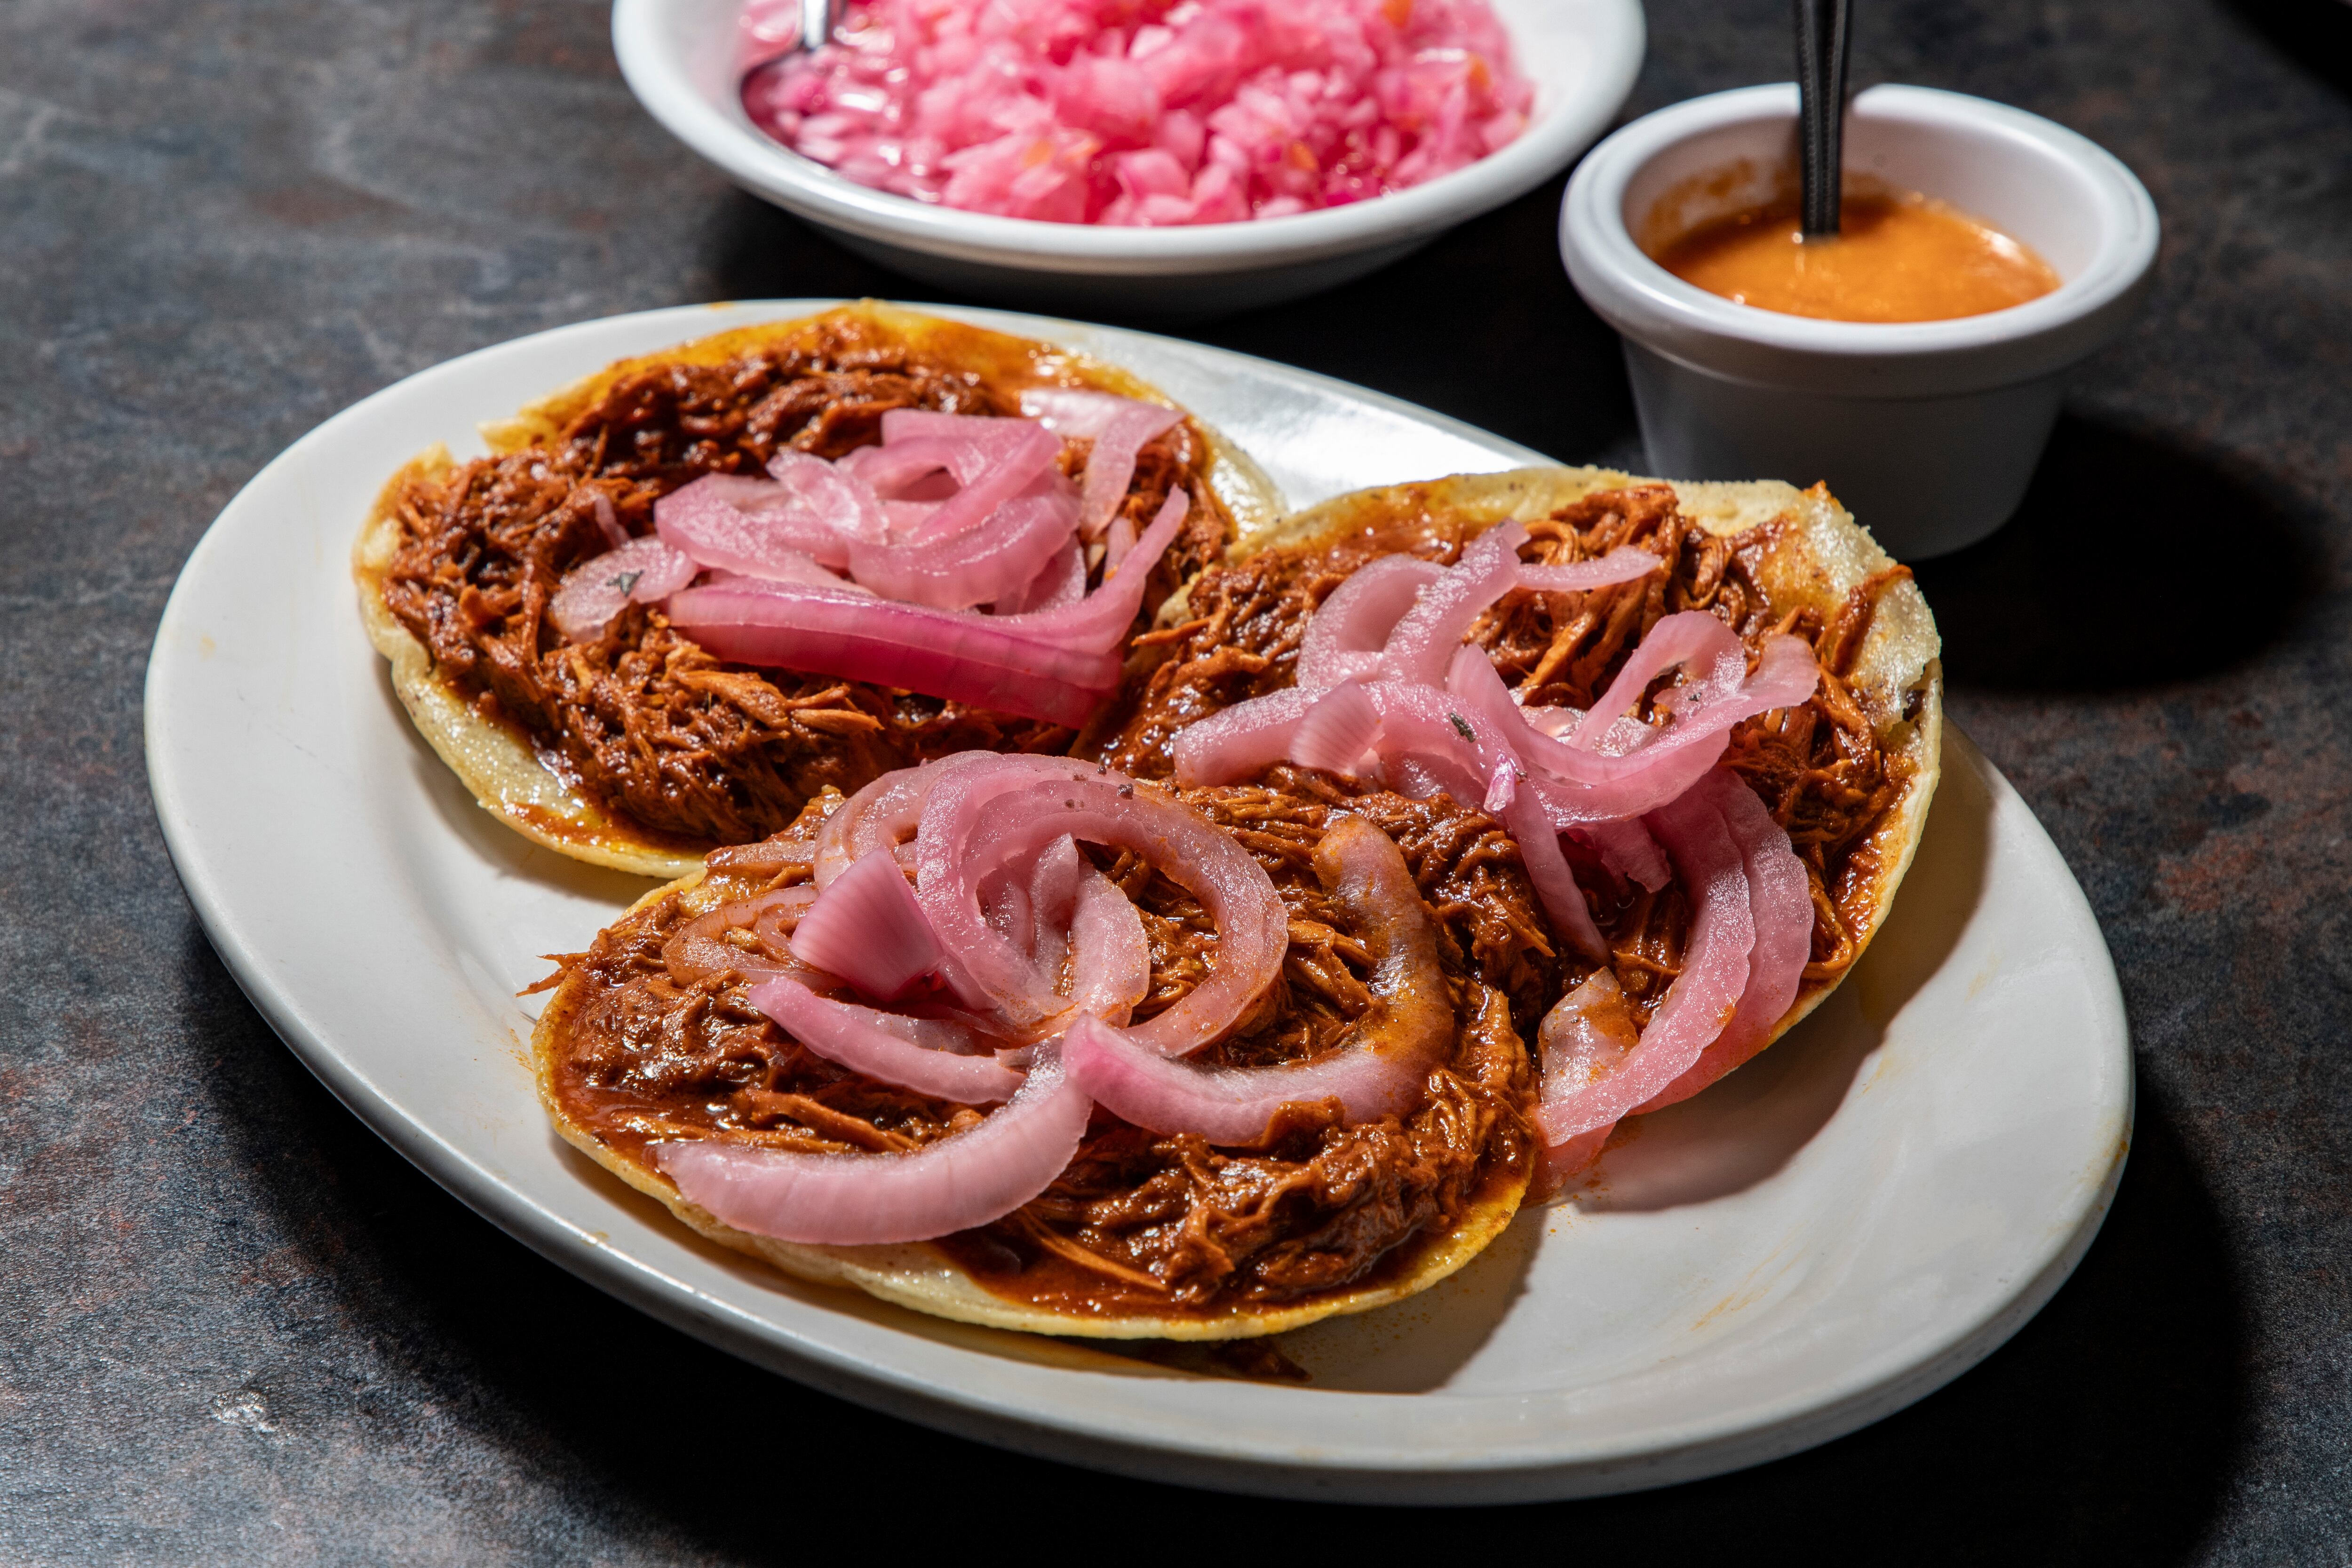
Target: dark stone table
{"type": "Point", "coordinates": [234, 1327]}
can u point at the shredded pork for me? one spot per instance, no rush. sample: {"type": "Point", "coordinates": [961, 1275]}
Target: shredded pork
{"type": "Point", "coordinates": [650, 727]}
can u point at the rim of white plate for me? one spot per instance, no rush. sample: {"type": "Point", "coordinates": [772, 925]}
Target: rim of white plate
{"type": "Point", "coordinates": [999, 1400]}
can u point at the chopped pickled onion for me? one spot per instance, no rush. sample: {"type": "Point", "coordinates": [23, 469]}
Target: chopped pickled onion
{"type": "Point", "coordinates": [1106, 111]}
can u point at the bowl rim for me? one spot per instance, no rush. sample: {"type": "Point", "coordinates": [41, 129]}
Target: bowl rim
{"type": "Point", "coordinates": [1643, 299]}
{"type": "Point", "coordinates": [725, 138]}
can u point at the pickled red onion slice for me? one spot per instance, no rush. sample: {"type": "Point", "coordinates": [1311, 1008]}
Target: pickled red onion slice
{"type": "Point", "coordinates": [980, 819]}
{"type": "Point", "coordinates": [699, 951]}
{"type": "Point", "coordinates": [1588, 1033]}
{"type": "Point", "coordinates": [1095, 623]}
{"type": "Point", "coordinates": [1405, 1031]}
{"type": "Point", "coordinates": [1339, 732]}
{"type": "Point", "coordinates": [978, 563]}
{"type": "Point", "coordinates": [1084, 926]}
{"type": "Point", "coordinates": [1111, 464]}
{"type": "Point", "coordinates": [1555, 882]}
{"type": "Point", "coordinates": [1623, 564]}
{"type": "Point", "coordinates": [1703, 999]}
{"type": "Point", "coordinates": [866, 928]}
{"type": "Point", "coordinates": [608, 522]}
{"type": "Point", "coordinates": [914, 647]}
{"type": "Point", "coordinates": [1236, 741]}
{"type": "Point", "coordinates": [1724, 692]}
{"type": "Point", "coordinates": [1425, 637]}
{"type": "Point", "coordinates": [827, 493]}
{"type": "Point", "coordinates": [1345, 633]}
{"type": "Point", "coordinates": [1110, 955]}
{"type": "Point", "coordinates": [1078, 413]}
{"type": "Point", "coordinates": [910, 1053]}
{"type": "Point", "coordinates": [1119, 428]}
{"type": "Point", "coordinates": [964, 1179]}
{"type": "Point", "coordinates": [992, 460]}
{"type": "Point", "coordinates": [1627, 851]}
{"type": "Point", "coordinates": [789, 566]}
{"type": "Point", "coordinates": [745, 525]}
{"type": "Point", "coordinates": [1780, 898]}
{"type": "Point", "coordinates": [1430, 722]}
{"type": "Point", "coordinates": [887, 811]}
{"type": "Point", "coordinates": [1061, 581]}
{"type": "Point", "coordinates": [643, 570]}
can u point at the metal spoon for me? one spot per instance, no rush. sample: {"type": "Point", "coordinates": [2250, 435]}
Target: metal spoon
{"type": "Point", "coordinates": [1823, 36]}
{"type": "Point", "coordinates": [818, 18]}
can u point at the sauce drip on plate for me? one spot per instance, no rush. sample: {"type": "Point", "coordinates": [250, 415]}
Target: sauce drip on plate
{"type": "Point", "coordinates": [1896, 258]}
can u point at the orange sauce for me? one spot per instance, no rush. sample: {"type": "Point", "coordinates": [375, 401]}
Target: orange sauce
{"type": "Point", "coordinates": [1895, 258]}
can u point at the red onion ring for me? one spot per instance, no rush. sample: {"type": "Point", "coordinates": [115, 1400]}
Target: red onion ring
{"type": "Point", "coordinates": [1625, 564]}
{"type": "Point", "coordinates": [1425, 639]}
{"type": "Point", "coordinates": [914, 647]}
{"type": "Point", "coordinates": [696, 950]}
{"type": "Point", "coordinates": [1345, 633]}
{"type": "Point", "coordinates": [1781, 899]}
{"type": "Point", "coordinates": [848, 1200]}
{"type": "Point", "coordinates": [911, 1053]}
{"type": "Point", "coordinates": [643, 570]}
{"type": "Point", "coordinates": [1404, 1034]}
{"type": "Point", "coordinates": [1703, 998]}
{"type": "Point", "coordinates": [978, 565]}
{"type": "Point", "coordinates": [978, 819]}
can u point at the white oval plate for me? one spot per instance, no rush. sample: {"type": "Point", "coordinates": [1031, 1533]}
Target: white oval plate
{"type": "Point", "coordinates": [1850, 1222]}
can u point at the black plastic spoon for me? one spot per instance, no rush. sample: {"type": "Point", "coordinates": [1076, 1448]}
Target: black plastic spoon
{"type": "Point", "coordinates": [1823, 34]}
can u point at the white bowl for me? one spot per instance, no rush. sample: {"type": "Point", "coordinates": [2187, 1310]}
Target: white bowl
{"type": "Point", "coordinates": [680, 58]}
{"type": "Point", "coordinates": [1928, 430]}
